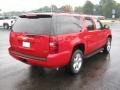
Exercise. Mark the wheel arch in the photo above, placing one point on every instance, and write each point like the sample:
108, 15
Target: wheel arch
110, 36
5, 24
80, 46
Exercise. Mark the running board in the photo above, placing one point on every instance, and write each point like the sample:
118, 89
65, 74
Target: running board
95, 52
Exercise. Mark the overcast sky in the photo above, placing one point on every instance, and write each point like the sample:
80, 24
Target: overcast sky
26, 5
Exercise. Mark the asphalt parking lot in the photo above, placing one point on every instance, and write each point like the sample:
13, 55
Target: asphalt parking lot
100, 72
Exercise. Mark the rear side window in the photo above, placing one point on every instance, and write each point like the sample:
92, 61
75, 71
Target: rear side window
34, 24
89, 24
68, 24
2, 18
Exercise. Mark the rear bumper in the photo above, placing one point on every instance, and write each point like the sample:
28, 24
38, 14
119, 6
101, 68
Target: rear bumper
51, 61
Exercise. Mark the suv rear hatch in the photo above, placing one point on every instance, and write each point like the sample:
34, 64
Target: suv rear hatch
30, 35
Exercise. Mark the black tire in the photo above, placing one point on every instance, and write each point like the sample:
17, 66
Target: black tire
6, 26
75, 66
107, 46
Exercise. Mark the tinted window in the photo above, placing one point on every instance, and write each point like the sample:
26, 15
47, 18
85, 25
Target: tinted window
89, 24
2, 18
98, 25
68, 24
34, 25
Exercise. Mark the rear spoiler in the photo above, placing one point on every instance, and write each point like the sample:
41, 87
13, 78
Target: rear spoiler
32, 16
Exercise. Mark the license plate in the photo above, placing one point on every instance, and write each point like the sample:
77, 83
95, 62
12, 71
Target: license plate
26, 44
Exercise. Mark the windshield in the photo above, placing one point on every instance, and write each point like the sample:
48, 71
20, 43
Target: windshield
33, 25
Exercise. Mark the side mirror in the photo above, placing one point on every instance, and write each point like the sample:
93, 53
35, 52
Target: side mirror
106, 26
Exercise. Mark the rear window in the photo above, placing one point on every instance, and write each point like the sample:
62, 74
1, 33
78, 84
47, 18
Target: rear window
40, 24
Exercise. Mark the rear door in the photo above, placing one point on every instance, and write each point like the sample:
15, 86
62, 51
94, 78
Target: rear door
68, 29
30, 35
100, 33
91, 35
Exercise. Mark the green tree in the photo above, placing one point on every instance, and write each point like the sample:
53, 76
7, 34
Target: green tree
107, 6
88, 8
46, 9
66, 8
43, 9
78, 9
98, 10
38, 10
54, 8
61, 9
116, 6
118, 10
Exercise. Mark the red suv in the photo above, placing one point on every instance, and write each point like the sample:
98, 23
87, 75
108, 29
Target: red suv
58, 39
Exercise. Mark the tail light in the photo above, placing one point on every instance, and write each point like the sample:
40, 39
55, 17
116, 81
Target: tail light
53, 45
11, 38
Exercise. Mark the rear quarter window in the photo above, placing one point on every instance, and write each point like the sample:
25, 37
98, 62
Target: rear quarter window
89, 24
68, 24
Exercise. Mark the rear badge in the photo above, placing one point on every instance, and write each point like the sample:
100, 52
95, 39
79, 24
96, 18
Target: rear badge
24, 38
26, 44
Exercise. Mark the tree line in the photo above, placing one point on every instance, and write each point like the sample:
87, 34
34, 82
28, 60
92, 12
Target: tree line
105, 7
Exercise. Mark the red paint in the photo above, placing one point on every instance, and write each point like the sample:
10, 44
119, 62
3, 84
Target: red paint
56, 49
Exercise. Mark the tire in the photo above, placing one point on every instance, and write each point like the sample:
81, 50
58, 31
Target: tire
107, 46
6, 26
76, 62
